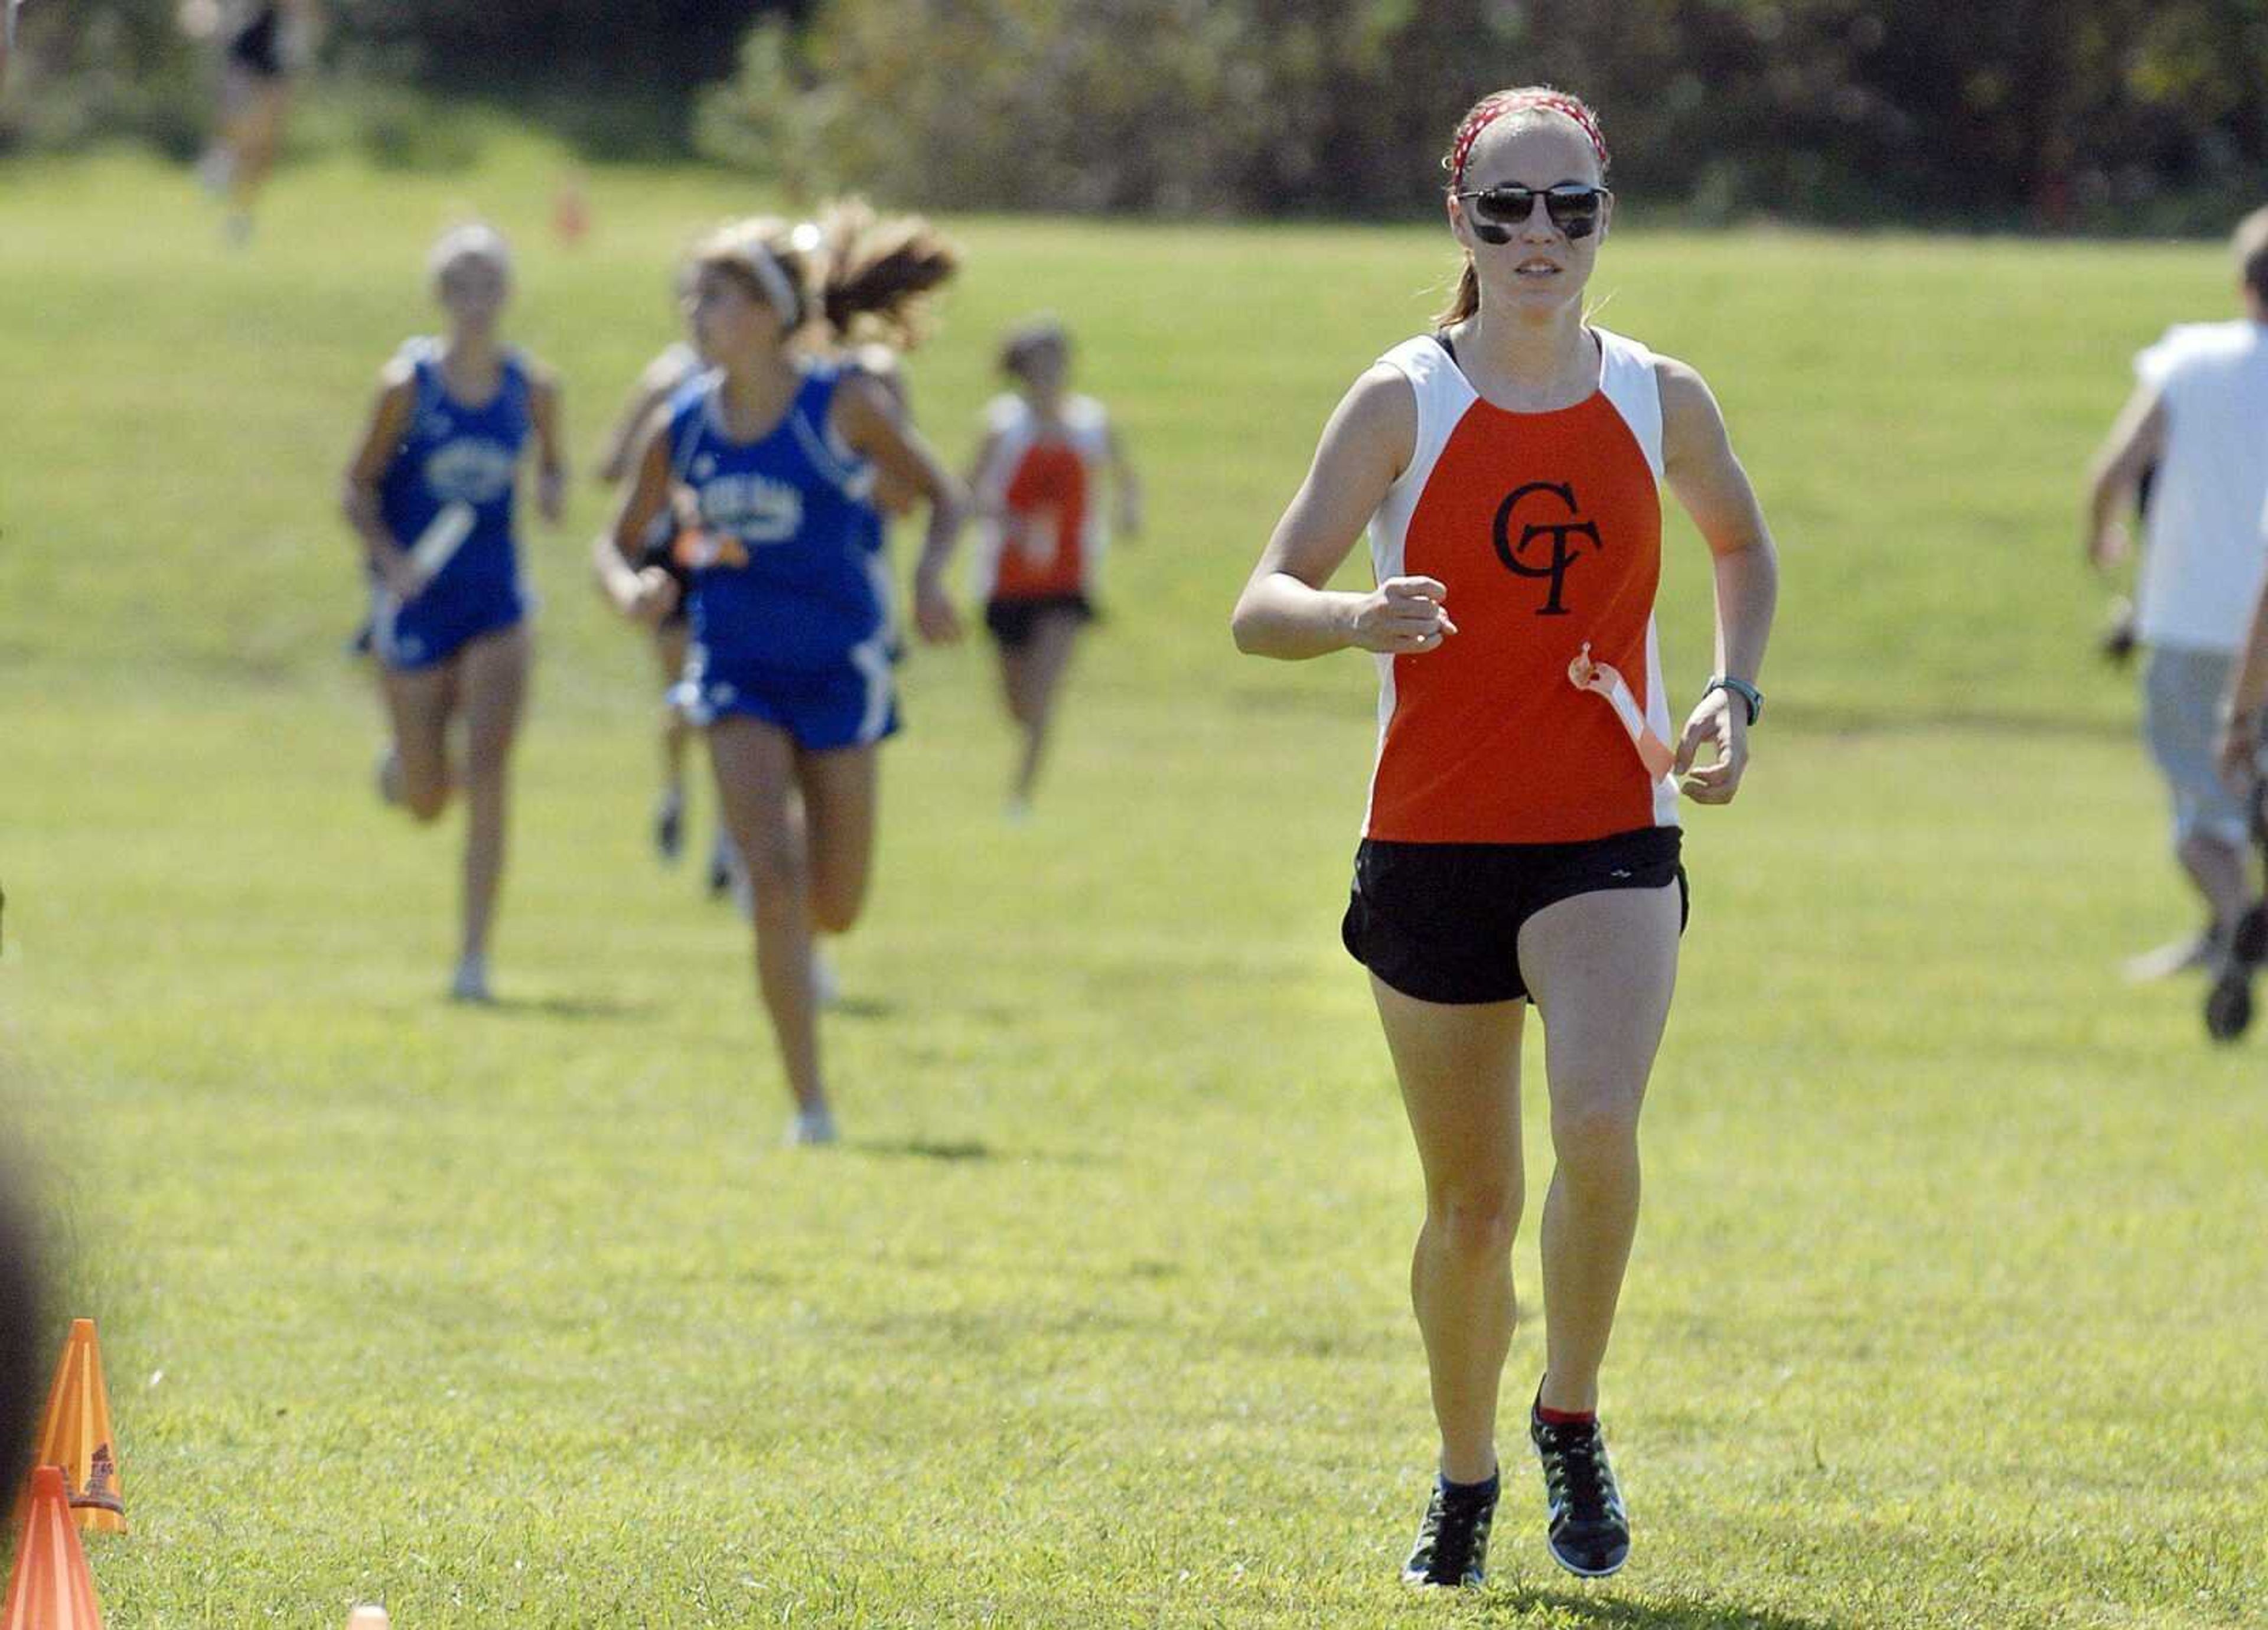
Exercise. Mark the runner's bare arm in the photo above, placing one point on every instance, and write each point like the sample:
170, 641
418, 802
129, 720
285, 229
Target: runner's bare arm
1285, 611
866, 416
1706, 475
1125, 486
2236, 739
645, 594
552, 449
655, 386
358, 495
2135, 441
980, 466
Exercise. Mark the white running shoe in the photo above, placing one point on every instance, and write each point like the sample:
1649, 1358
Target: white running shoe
811, 1128
388, 775
471, 984
826, 983
217, 170
2193, 955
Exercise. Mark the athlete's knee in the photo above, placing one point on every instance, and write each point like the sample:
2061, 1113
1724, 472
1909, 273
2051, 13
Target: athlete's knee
1593, 1126
425, 801
836, 909
487, 757
1476, 1220
776, 864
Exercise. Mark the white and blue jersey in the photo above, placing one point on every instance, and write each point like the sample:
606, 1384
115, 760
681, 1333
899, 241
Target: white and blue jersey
789, 595
871, 528
453, 456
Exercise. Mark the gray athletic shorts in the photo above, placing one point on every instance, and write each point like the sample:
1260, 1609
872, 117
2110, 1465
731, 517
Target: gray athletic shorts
2182, 692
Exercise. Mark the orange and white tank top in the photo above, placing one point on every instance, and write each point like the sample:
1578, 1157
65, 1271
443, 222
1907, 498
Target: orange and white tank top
1546, 528
1041, 491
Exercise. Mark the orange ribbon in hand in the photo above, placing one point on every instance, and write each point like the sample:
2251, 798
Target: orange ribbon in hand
1601, 679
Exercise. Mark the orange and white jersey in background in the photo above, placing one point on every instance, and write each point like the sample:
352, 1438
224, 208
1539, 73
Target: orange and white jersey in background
1041, 493
1546, 529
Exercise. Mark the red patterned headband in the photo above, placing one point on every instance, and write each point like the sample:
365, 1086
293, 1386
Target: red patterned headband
1496, 107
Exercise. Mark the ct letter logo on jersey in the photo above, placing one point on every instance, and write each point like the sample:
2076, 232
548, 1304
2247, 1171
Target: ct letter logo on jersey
1557, 522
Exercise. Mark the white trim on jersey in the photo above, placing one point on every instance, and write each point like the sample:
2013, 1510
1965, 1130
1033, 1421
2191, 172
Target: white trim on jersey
1444, 395
872, 659
1630, 380
1627, 378
383, 611
821, 449
1009, 421
1657, 715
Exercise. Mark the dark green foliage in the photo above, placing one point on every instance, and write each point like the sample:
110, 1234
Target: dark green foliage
2053, 113
618, 78
2104, 114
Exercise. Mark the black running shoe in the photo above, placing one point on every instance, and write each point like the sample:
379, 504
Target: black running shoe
2250, 943
2228, 1006
669, 827
1452, 1548
1589, 1533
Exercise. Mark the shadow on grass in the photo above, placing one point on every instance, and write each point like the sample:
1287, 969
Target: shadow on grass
860, 1007
926, 1149
1516, 1604
560, 1007
957, 1150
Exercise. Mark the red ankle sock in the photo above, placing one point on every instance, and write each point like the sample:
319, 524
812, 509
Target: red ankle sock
1564, 1417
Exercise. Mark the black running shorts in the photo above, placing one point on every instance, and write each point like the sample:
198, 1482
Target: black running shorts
1012, 621
257, 46
1441, 922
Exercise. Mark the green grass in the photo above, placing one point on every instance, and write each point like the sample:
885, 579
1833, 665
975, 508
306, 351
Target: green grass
1946, 1307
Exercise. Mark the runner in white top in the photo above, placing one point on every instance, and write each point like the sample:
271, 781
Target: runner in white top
1038, 480
2199, 412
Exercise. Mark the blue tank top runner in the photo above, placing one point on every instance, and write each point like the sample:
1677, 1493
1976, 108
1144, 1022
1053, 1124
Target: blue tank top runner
787, 574
452, 455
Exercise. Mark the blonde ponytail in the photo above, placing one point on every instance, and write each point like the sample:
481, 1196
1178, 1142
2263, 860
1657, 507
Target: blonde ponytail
1465, 302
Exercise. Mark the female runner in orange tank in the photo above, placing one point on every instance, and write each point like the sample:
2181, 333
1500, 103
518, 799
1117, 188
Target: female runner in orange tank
1521, 844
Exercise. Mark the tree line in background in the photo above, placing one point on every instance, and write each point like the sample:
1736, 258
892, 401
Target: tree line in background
619, 78
2140, 115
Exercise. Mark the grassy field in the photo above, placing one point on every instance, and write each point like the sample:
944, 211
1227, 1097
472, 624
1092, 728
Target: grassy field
1948, 1306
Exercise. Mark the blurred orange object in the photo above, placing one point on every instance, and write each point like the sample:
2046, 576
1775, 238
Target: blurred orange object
571, 213
52, 1588
74, 1435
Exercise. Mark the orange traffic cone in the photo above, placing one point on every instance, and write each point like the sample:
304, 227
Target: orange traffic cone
74, 1435
571, 213
52, 1588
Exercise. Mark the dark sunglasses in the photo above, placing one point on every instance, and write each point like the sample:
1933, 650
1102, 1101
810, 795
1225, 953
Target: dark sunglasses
1496, 210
